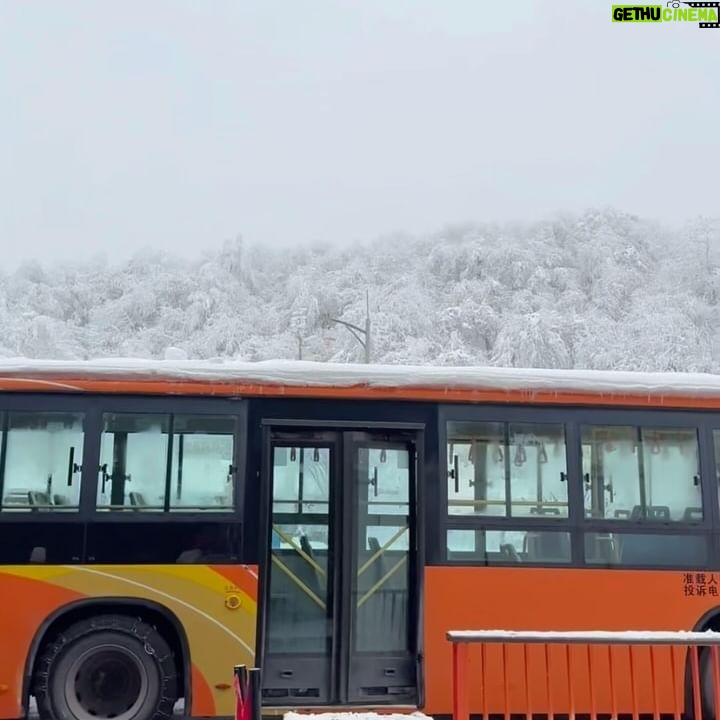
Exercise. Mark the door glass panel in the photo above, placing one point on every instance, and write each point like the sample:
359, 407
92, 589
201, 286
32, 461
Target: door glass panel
43, 454
300, 572
380, 597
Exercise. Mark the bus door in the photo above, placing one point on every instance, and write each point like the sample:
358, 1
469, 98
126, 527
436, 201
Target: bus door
341, 579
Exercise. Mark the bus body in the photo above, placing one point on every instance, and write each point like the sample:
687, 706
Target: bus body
162, 522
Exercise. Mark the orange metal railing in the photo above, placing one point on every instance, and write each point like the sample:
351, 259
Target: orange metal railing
588, 644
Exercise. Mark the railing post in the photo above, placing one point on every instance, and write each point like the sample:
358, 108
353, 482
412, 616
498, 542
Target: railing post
240, 682
255, 702
695, 673
460, 694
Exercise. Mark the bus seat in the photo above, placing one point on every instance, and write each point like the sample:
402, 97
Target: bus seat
547, 546
692, 513
137, 499
659, 513
38, 554
16, 498
602, 548
508, 552
540, 510
189, 556
38, 500
373, 544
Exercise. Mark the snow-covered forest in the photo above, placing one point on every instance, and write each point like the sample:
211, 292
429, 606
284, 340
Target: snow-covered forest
601, 290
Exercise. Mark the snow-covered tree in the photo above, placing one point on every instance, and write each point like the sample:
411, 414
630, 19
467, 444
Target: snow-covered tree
600, 289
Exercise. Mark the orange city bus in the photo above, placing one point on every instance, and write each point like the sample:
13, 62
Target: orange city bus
161, 522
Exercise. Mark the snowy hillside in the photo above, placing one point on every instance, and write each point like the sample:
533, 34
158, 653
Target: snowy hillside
602, 290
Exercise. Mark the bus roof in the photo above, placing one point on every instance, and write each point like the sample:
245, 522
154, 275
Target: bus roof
288, 378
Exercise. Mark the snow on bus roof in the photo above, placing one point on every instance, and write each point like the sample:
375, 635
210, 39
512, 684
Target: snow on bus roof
326, 374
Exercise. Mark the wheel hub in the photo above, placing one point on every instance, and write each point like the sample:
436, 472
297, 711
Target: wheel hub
107, 681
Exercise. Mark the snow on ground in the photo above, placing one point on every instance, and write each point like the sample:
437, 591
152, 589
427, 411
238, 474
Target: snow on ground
355, 716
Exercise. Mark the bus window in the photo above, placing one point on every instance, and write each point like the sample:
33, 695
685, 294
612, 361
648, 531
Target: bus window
507, 469
134, 470
133, 462
646, 550
641, 474
42, 461
491, 547
191, 542
203, 463
716, 443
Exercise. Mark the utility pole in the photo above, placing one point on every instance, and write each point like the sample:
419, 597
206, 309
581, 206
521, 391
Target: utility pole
362, 335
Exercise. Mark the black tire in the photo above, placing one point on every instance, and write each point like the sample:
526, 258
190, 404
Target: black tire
707, 687
109, 666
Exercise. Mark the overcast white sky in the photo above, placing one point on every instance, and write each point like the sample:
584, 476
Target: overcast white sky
176, 124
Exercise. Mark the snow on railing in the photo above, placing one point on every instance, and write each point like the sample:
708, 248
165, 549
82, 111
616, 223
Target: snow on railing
652, 639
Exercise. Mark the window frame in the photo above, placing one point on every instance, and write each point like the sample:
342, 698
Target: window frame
144, 405
93, 407
713, 426
621, 524
660, 419
170, 416
579, 526
505, 521
43, 405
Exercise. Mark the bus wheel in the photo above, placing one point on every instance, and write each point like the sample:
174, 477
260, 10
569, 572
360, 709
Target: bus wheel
707, 684
110, 666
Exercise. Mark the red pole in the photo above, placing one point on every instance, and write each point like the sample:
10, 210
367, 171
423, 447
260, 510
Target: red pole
591, 679
633, 689
526, 663
613, 695
483, 675
653, 682
571, 682
248, 703
461, 709
697, 704
677, 700
239, 699
506, 690
716, 676
550, 710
